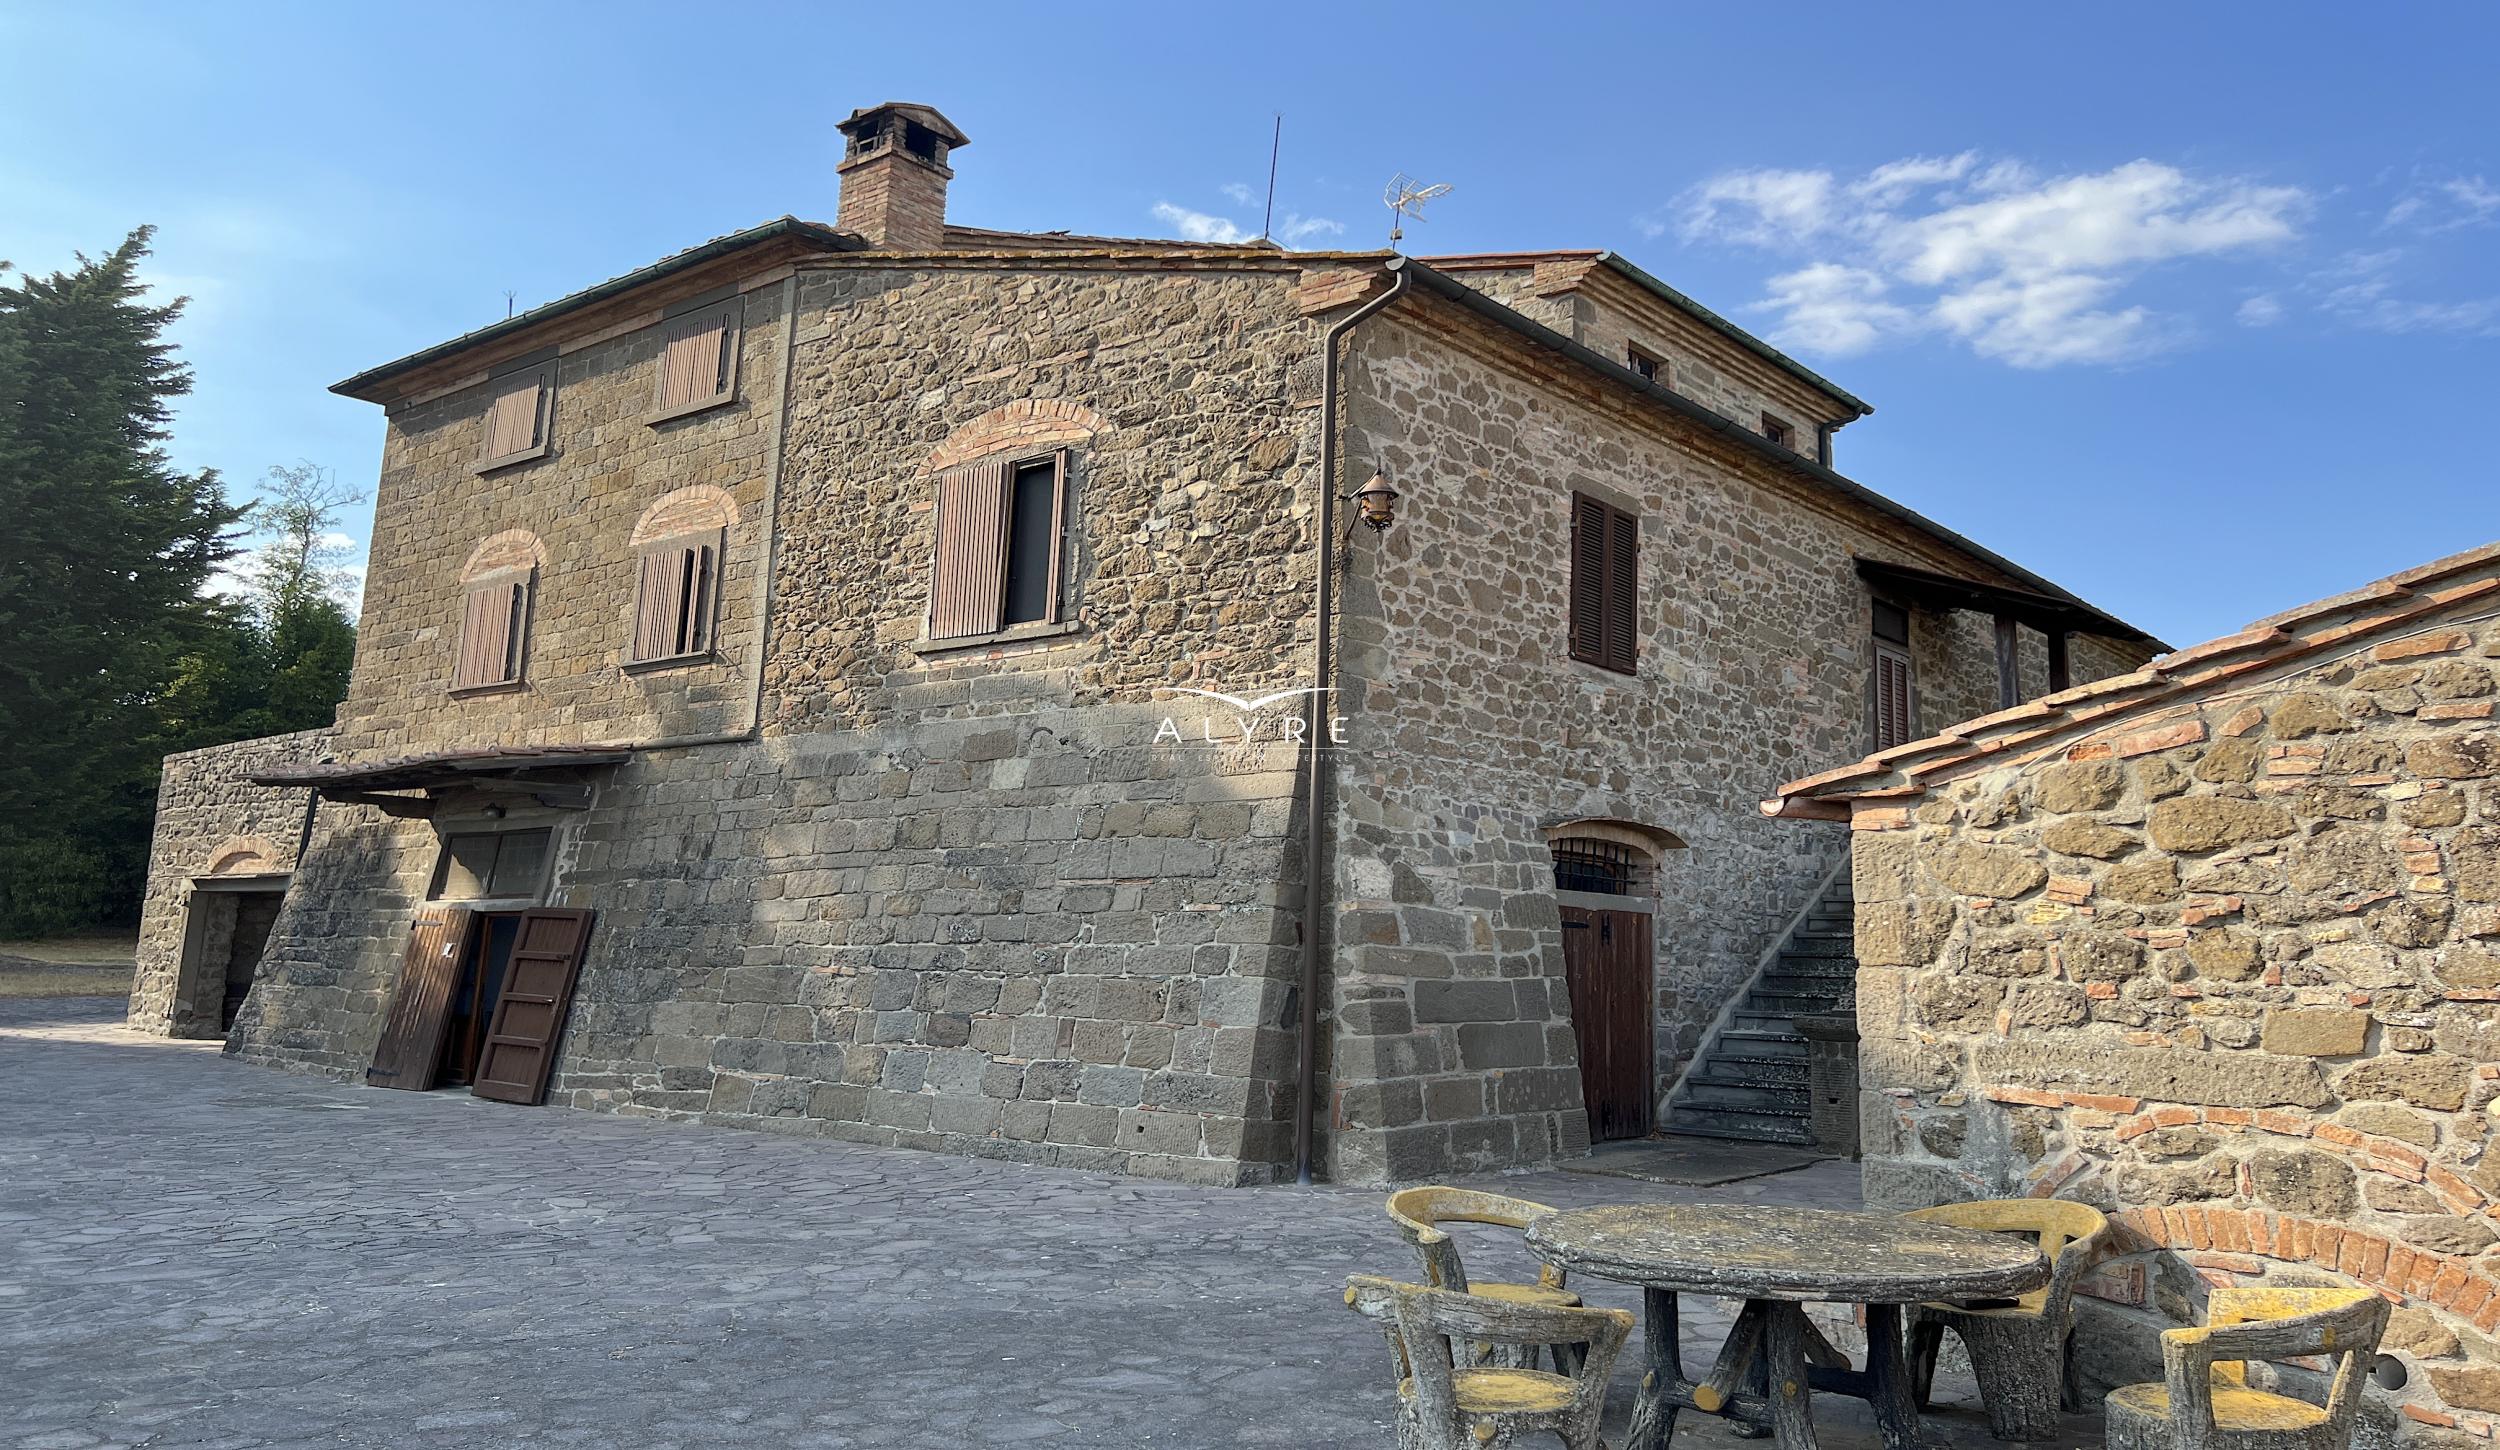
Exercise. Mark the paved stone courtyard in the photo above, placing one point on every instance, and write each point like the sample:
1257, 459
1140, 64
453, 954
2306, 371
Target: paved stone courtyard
198, 1253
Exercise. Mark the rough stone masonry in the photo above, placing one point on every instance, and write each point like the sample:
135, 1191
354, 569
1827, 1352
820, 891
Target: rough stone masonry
2216, 947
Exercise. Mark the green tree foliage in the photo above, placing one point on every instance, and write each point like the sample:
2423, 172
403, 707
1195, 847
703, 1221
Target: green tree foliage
104, 551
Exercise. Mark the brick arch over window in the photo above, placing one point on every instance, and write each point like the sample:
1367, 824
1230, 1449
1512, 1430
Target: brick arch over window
1605, 854
1654, 840
511, 549
1027, 426
701, 509
243, 856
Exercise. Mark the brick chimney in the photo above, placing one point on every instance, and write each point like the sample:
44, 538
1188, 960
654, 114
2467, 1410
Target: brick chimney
894, 176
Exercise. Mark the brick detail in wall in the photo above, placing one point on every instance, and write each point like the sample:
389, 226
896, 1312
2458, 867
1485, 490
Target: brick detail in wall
698, 510
1026, 425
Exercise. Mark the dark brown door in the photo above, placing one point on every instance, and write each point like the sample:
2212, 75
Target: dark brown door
529, 1013
1606, 964
473, 1001
412, 1036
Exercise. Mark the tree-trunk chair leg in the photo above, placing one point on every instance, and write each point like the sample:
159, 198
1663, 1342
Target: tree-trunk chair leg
2019, 1365
1926, 1343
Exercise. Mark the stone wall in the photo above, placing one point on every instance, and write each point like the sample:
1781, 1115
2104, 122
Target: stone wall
2230, 969
955, 896
604, 468
210, 820
1472, 731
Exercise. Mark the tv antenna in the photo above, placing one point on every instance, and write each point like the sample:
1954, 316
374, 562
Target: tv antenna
1405, 198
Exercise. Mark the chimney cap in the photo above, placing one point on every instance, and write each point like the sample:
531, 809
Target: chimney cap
913, 111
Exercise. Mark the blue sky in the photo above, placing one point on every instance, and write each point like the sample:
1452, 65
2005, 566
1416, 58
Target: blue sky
2191, 308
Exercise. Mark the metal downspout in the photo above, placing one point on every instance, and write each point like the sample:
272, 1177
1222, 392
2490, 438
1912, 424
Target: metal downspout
1315, 719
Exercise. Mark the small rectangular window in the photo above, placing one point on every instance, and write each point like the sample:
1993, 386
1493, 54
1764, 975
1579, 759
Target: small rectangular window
497, 865
675, 597
1778, 432
698, 360
1001, 559
1605, 585
1892, 622
1645, 364
520, 412
494, 627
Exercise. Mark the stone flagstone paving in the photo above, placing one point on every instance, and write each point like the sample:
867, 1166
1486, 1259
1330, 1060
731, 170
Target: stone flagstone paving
198, 1253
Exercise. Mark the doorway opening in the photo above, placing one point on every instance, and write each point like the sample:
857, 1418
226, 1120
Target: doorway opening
1602, 888
226, 931
473, 998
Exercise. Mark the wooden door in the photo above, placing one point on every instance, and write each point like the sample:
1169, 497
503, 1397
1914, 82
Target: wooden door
528, 1023
412, 1036
1606, 965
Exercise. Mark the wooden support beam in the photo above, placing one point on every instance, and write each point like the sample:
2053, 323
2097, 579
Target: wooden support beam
2009, 672
406, 807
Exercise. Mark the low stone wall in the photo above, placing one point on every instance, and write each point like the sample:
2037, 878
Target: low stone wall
2231, 970
210, 819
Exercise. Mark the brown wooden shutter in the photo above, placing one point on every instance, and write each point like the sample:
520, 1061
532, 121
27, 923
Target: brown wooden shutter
1605, 584
696, 358
1058, 534
494, 618
694, 628
1588, 579
528, 1024
515, 420
1623, 591
1895, 709
412, 1035
656, 605
968, 584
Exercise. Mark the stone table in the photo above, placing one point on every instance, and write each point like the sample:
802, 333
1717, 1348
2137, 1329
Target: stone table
1779, 1259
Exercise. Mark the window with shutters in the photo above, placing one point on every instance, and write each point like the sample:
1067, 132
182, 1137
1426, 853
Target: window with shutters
491, 865
676, 595
1605, 585
494, 633
1895, 691
698, 359
520, 411
1001, 559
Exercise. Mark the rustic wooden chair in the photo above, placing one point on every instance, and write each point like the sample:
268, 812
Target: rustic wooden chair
1447, 1402
1419, 1214
2019, 1347
2204, 1401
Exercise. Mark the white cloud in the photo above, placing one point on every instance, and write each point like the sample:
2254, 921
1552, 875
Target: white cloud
1838, 310
1303, 228
1760, 208
1240, 193
2263, 310
2360, 289
2026, 269
2446, 205
1198, 226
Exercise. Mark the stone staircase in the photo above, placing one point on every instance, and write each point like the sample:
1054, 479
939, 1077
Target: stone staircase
1749, 1081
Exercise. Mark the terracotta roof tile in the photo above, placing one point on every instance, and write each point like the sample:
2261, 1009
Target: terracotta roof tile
2167, 687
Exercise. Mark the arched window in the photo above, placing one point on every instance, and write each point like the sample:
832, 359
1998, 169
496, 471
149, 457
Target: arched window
677, 546
496, 588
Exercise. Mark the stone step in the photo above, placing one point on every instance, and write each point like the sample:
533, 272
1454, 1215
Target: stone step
1747, 1042
1759, 1124
1755, 1065
1806, 984
1819, 946
1790, 1004
1756, 1074
1747, 1019
1766, 1096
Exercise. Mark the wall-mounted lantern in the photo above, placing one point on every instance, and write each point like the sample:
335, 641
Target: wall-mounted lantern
1376, 503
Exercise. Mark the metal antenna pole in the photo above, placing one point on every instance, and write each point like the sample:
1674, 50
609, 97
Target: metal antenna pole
1275, 144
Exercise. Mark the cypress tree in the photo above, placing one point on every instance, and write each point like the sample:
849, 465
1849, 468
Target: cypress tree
104, 551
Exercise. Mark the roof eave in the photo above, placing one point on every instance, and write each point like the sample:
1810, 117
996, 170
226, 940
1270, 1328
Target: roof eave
365, 386
1633, 273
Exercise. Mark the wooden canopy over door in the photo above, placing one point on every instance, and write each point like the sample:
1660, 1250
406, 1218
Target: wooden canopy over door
1606, 965
528, 1023
412, 1036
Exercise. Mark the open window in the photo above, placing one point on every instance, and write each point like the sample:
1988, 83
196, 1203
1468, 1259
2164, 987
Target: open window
676, 595
1001, 558
494, 632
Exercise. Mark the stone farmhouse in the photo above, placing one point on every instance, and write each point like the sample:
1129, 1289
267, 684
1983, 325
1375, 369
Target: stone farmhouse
1204, 711
2215, 946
